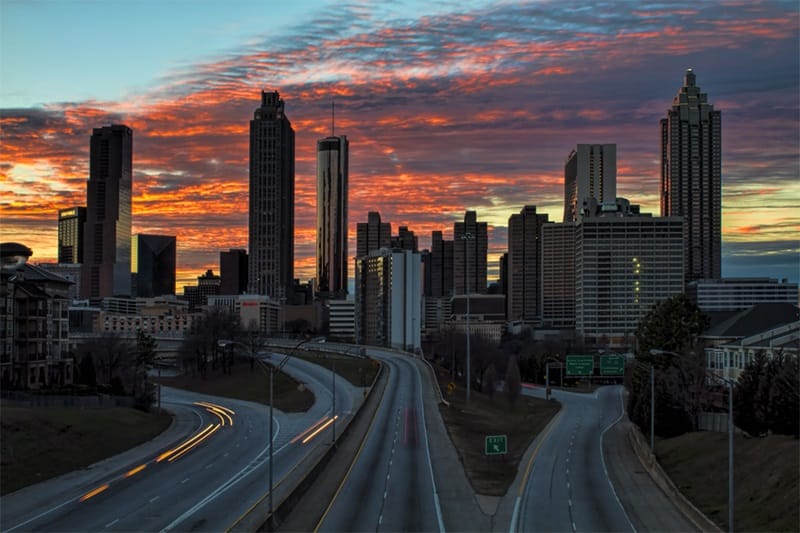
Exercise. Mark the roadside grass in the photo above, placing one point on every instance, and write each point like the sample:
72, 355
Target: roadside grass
766, 478
469, 424
359, 371
41, 443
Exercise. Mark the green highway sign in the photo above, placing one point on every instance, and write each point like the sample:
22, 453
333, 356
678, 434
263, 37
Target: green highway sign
612, 365
496, 445
580, 365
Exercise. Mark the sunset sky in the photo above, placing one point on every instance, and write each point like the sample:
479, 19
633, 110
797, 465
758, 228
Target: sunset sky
448, 106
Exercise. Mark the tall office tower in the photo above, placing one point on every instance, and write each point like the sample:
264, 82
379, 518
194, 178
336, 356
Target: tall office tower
332, 170
271, 253
625, 263
153, 267
503, 279
405, 240
70, 234
558, 275
388, 299
441, 261
372, 235
590, 172
233, 271
107, 231
524, 257
691, 176
470, 245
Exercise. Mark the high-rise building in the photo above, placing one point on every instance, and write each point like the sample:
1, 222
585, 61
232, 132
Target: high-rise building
70, 234
590, 172
470, 246
271, 216
405, 240
153, 267
372, 235
691, 176
388, 302
625, 263
197, 295
558, 275
233, 271
332, 172
441, 267
524, 264
107, 231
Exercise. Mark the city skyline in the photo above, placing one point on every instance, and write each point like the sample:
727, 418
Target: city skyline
446, 111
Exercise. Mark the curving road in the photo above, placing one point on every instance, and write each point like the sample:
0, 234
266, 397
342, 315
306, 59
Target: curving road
204, 482
390, 486
568, 488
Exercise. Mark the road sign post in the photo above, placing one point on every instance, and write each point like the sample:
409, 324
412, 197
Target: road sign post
496, 445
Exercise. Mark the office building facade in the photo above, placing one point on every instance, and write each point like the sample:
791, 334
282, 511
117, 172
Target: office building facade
523, 266
107, 231
691, 176
372, 235
71, 222
440, 263
233, 271
332, 176
154, 262
738, 294
271, 215
589, 172
470, 246
558, 275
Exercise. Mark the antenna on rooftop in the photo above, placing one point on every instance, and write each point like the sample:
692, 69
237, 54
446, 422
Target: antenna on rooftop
333, 129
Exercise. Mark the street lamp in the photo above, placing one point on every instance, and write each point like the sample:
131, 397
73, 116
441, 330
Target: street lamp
547, 374
466, 238
222, 343
729, 382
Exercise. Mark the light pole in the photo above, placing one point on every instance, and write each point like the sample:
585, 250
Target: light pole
547, 374
223, 343
467, 237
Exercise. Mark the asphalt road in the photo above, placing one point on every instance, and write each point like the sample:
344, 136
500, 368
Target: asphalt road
568, 488
390, 486
205, 481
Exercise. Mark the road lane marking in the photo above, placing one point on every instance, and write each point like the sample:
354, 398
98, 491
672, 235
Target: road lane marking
603, 459
154, 499
112, 523
184, 481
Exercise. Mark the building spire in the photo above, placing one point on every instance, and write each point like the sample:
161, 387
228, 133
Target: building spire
333, 128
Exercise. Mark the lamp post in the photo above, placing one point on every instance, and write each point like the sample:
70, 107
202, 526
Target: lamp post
547, 374
467, 237
729, 382
223, 343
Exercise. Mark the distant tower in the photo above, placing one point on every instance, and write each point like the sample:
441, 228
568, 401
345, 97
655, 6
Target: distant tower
271, 216
470, 244
524, 265
70, 235
372, 235
691, 176
332, 176
154, 264
233, 271
589, 172
107, 232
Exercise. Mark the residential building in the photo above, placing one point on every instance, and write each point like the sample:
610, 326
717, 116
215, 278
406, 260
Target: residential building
233, 271
691, 176
153, 268
332, 176
589, 172
388, 303
70, 234
558, 275
107, 231
470, 246
372, 235
70, 272
271, 213
736, 294
524, 266
625, 263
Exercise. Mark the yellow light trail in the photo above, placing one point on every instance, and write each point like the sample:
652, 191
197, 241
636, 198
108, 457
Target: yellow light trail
186, 450
183, 445
94, 492
309, 429
136, 470
222, 412
320, 429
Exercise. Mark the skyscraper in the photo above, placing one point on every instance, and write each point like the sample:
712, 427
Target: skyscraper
405, 240
470, 245
107, 231
153, 265
691, 176
589, 172
372, 235
70, 234
233, 271
441, 267
271, 216
332, 175
524, 265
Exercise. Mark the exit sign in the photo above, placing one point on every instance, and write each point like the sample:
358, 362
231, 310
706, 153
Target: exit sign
496, 445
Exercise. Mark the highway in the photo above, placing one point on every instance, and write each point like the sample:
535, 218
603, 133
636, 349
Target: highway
567, 487
206, 481
390, 486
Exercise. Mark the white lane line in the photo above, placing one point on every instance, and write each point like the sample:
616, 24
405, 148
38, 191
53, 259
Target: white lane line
387, 477
603, 460
184, 481
112, 523
209, 466
384, 495
154, 499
